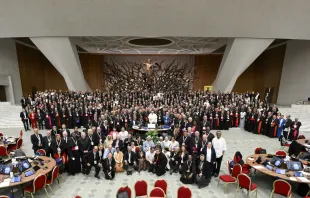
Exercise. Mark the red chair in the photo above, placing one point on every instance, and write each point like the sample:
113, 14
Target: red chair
140, 188
184, 192
4, 196
4, 151
41, 151
16, 146
37, 184
55, 172
301, 137
244, 182
1, 134
157, 192
281, 153
161, 184
281, 187
128, 190
246, 169
230, 179
257, 150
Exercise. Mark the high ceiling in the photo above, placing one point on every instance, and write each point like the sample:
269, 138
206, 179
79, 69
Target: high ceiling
150, 45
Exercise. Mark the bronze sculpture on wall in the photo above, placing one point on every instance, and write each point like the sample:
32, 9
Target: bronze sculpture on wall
156, 77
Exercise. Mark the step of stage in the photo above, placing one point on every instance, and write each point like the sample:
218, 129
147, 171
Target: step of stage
9, 115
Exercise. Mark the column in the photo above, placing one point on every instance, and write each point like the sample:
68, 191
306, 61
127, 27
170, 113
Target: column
238, 56
9, 71
63, 55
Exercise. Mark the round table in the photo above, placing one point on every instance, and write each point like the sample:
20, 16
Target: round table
250, 160
303, 142
147, 129
50, 163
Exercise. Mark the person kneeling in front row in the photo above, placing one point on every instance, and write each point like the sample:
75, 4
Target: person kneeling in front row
109, 167
91, 159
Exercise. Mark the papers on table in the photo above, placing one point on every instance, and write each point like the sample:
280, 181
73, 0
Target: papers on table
5, 182
303, 179
250, 159
293, 178
258, 167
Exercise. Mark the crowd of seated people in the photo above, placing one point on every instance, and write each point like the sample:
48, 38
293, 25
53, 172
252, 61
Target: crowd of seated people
118, 112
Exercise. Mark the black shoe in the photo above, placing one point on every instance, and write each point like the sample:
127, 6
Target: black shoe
97, 176
216, 175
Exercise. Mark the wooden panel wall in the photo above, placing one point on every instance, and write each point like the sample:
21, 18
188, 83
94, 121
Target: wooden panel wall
264, 72
206, 68
37, 71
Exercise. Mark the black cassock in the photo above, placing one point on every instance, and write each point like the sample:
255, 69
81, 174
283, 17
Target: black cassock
74, 161
188, 172
160, 164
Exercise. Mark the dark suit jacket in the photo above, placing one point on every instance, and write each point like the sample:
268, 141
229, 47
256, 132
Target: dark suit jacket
162, 160
35, 141
104, 131
46, 147
106, 165
40, 117
84, 144
120, 144
90, 158
96, 138
204, 169
133, 157
213, 155
22, 116
55, 146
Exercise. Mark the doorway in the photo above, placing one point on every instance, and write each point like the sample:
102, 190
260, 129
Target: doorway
2, 94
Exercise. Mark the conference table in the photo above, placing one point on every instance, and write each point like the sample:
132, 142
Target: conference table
49, 164
304, 142
250, 160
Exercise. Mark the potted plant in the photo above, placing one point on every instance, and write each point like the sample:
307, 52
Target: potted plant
153, 135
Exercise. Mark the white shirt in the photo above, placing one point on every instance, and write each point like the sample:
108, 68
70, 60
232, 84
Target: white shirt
123, 135
219, 146
153, 118
173, 145
150, 155
208, 157
167, 144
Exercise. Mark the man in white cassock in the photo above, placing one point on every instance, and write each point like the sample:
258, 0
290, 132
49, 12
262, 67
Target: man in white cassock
153, 118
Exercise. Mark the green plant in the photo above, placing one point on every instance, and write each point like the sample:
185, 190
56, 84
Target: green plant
153, 135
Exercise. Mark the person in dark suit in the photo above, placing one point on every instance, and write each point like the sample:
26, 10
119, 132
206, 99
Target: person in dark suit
174, 160
96, 136
210, 158
104, 129
160, 162
91, 159
203, 174
47, 144
23, 101
118, 143
130, 159
36, 140
109, 167
40, 119
186, 140
66, 142
64, 129
188, 171
24, 117
57, 146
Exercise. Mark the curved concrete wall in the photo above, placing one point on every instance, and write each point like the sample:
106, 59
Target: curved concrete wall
206, 18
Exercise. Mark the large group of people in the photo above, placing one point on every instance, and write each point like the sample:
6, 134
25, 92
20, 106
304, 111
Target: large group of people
107, 120
197, 110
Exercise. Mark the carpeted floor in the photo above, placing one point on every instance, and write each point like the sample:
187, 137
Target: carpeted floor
88, 186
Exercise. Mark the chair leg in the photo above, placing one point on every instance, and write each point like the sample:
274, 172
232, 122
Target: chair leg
237, 191
57, 180
256, 192
46, 192
32, 195
218, 183
225, 188
50, 188
271, 195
